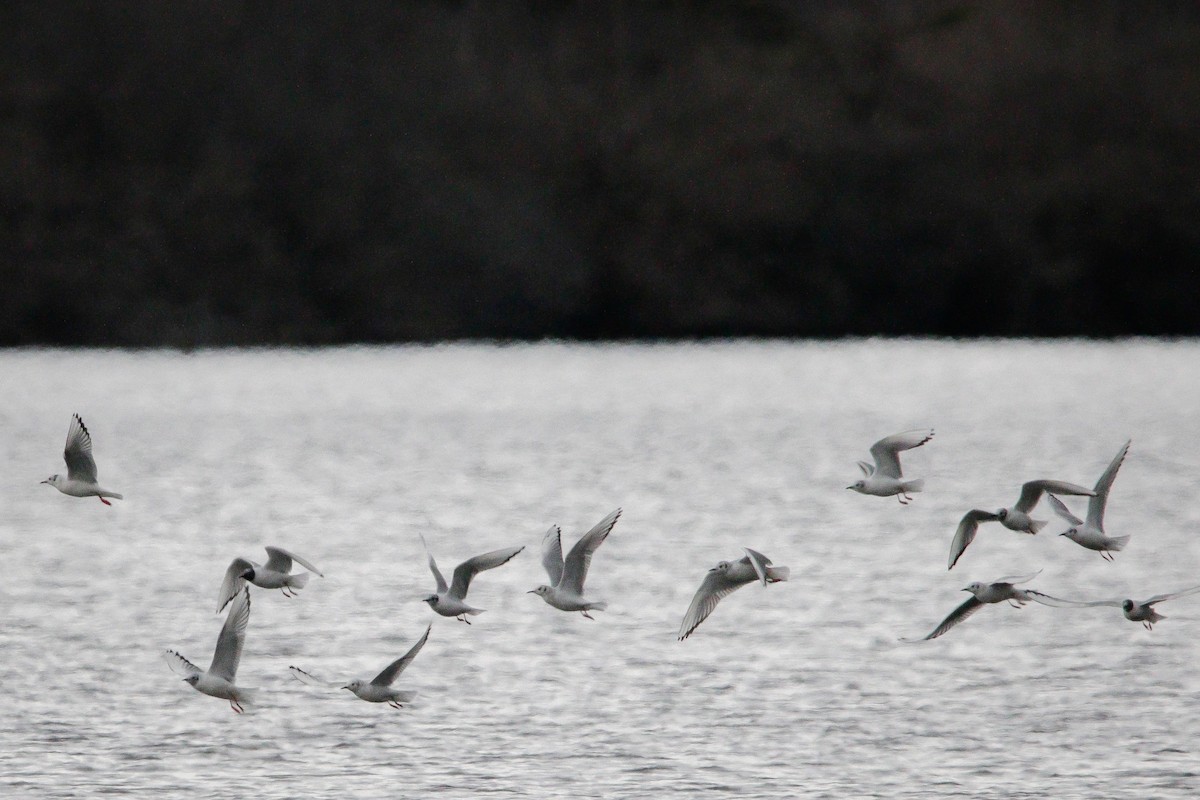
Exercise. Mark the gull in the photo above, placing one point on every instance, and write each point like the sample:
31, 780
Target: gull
1091, 534
1015, 519
725, 578
1135, 611
448, 601
275, 574
884, 478
565, 591
981, 593
378, 689
81, 467
218, 680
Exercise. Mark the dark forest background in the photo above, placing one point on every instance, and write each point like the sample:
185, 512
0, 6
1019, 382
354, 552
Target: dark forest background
253, 172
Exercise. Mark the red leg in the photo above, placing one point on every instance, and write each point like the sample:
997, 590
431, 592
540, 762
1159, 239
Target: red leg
102, 500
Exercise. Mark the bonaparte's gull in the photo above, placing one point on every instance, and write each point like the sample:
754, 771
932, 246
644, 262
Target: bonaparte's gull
218, 680
81, 467
449, 599
723, 579
1135, 610
982, 593
378, 689
565, 591
275, 574
1091, 533
883, 479
1015, 519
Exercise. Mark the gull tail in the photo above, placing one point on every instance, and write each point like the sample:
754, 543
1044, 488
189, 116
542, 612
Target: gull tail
404, 695
915, 485
113, 495
778, 574
599, 605
1036, 525
1118, 542
246, 696
299, 580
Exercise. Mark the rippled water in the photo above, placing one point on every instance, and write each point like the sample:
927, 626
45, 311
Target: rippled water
800, 689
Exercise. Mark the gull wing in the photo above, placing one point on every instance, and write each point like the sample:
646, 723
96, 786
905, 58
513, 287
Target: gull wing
1158, 598
1018, 579
965, 534
1031, 492
552, 558
393, 670
956, 616
1061, 509
575, 566
310, 679
467, 570
759, 562
1095, 513
180, 665
437, 573
280, 560
78, 452
886, 451
866, 468
1058, 602
715, 586
232, 637
233, 582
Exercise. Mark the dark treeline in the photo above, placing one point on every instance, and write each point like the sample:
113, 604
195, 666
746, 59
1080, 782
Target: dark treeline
239, 172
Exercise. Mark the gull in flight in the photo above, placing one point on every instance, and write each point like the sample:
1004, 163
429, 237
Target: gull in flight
218, 680
448, 601
1091, 534
565, 591
725, 578
883, 479
1134, 610
982, 593
275, 574
1015, 519
81, 467
378, 689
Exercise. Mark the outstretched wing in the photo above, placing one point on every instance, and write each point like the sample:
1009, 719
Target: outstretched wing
552, 558
1031, 492
886, 451
233, 582
180, 665
78, 452
1058, 602
1095, 514
393, 670
575, 565
716, 585
437, 573
965, 534
1158, 598
1061, 509
467, 570
956, 616
866, 468
759, 562
1018, 579
280, 560
310, 679
233, 636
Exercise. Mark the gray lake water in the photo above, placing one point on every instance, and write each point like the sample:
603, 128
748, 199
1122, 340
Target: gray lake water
799, 689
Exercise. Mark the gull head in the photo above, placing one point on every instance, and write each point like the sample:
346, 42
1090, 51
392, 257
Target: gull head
431, 599
1070, 533
248, 575
1127, 606
858, 486
54, 480
353, 686
722, 567
1002, 514
974, 587
542, 590
192, 679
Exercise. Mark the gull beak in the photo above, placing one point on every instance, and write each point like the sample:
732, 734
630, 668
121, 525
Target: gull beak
965, 589
849, 487
532, 591
345, 687
45, 481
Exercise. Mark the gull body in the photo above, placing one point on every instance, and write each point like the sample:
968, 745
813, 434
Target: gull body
567, 576
449, 600
218, 680
1090, 533
80, 480
1142, 611
378, 689
1016, 518
727, 577
884, 477
275, 574
983, 594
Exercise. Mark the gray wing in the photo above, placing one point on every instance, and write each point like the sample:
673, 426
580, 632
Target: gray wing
552, 558
233, 582
467, 570
965, 534
393, 670
1058, 602
1061, 509
1031, 492
233, 636
310, 679
180, 665
575, 565
280, 560
1095, 514
886, 451
437, 573
759, 562
866, 468
1018, 579
1158, 598
715, 586
956, 616
78, 452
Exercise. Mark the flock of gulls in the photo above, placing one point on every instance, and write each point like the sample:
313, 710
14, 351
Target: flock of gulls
565, 590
